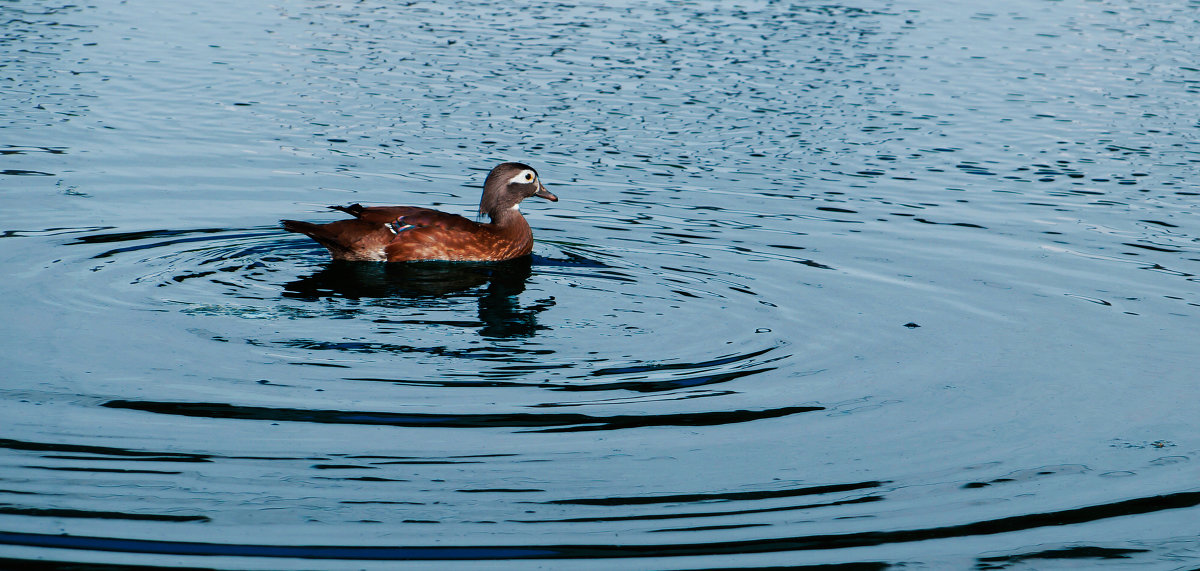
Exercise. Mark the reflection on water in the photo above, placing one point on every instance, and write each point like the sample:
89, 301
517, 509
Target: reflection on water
862, 286
498, 287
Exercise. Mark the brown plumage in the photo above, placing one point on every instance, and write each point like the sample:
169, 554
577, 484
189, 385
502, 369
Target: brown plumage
411, 233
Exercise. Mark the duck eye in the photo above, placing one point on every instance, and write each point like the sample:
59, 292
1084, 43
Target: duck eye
528, 176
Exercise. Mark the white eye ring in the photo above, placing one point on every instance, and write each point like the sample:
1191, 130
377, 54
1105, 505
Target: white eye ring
524, 177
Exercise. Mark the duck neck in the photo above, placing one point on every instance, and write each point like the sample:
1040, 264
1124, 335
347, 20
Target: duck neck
508, 217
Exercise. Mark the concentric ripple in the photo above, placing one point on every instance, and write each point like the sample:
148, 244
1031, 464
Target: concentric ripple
439, 327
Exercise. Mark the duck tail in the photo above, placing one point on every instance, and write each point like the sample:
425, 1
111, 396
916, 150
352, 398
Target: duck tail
354, 210
300, 227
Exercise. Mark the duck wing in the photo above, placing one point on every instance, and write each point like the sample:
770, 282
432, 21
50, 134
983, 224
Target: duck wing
410, 233
390, 233
403, 218
414, 233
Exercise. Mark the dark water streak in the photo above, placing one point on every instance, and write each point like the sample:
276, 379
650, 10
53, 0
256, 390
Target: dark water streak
546, 422
837, 541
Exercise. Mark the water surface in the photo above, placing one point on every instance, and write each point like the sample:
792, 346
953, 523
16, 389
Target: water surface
873, 284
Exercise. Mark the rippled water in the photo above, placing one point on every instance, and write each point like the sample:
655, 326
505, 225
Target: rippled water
877, 284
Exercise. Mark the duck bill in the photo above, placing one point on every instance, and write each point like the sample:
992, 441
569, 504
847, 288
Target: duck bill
543, 193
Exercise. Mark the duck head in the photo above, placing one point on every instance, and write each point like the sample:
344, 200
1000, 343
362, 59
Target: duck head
507, 185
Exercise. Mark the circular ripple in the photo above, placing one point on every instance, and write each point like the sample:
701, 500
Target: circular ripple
522, 335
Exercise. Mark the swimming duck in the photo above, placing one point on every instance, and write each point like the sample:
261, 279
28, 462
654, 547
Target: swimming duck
411, 233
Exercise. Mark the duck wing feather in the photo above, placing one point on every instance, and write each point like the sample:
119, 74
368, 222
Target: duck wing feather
408, 217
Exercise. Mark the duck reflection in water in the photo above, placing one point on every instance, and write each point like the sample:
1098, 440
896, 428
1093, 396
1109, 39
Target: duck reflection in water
497, 286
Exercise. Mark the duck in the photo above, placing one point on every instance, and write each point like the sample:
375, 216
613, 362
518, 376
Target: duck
413, 233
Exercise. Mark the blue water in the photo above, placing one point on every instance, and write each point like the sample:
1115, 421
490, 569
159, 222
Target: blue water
878, 284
